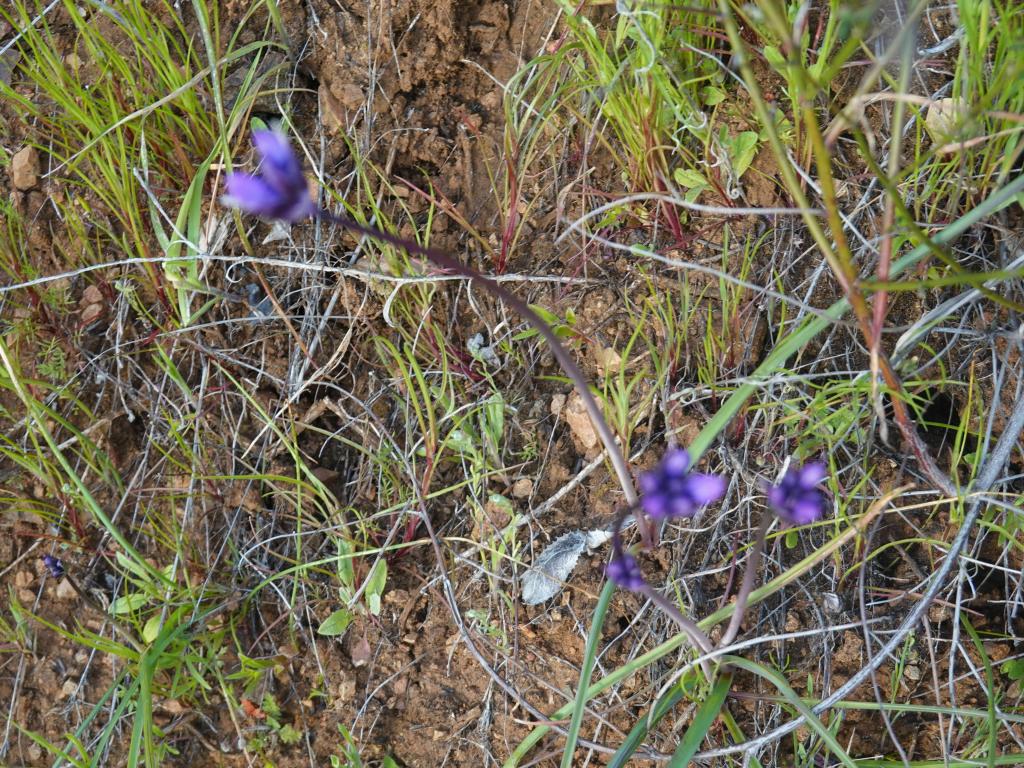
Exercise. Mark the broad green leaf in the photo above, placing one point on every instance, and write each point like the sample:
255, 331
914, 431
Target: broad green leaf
460, 442
744, 147
346, 569
128, 603
375, 585
711, 95
335, 624
151, 629
689, 178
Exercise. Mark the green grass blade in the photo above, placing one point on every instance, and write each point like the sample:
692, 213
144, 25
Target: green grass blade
702, 722
586, 669
794, 700
643, 726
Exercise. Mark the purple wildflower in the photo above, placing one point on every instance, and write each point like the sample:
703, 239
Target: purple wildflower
54, 566
670, 491
797, 499
279, 190
623, 569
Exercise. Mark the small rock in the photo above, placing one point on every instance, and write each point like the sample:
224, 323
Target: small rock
26, 596
831, 603
68, 689
607, 359
557, 404
65, 591
25, 168
578, 419
349, 94
34, 753
399, 686
523, 488
345, 691
91, 295
92, 313
24, 579
173, 706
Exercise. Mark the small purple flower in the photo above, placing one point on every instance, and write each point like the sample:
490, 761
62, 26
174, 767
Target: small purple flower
624, 570
54, 566
279, 190
670, 491
797, 499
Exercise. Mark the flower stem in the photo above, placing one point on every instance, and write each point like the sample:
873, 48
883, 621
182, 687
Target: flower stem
747, 586
442, 259
697, 635
688, 625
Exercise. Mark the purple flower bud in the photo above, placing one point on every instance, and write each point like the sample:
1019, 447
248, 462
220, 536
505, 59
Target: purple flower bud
54, 566
670, 491
279, 190
624, 570
797, 499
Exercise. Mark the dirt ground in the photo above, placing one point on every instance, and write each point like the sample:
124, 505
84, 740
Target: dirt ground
408, 678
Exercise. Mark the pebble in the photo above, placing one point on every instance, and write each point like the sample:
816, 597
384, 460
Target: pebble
523, 488
579, 422
65, 591
25, 168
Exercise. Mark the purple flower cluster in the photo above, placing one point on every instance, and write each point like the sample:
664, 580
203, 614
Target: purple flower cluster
797, 498
54, 566
279, 190
670, 490
623, 569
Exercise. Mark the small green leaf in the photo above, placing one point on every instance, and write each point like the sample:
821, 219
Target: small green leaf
289, 735
546, 315
689, 178
460, 442
711, 95
744, 148
128, 603
375, 586
1015, 669
269, 706
346, 570
792, 539
336, 623
692, 194
151, 629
